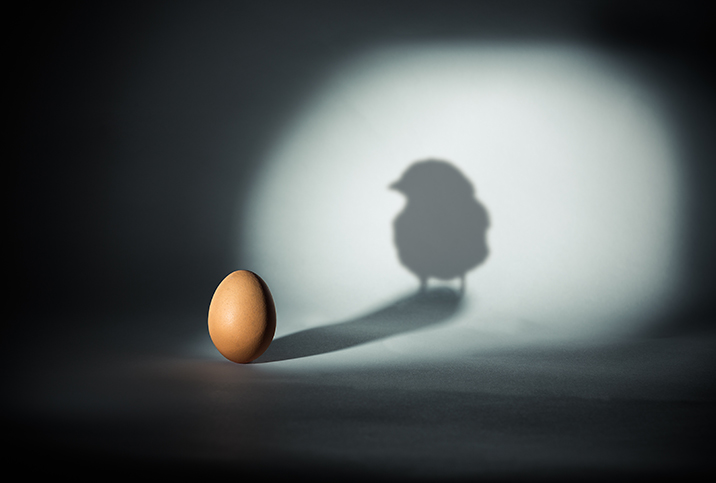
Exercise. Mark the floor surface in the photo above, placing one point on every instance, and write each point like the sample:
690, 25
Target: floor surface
141, 396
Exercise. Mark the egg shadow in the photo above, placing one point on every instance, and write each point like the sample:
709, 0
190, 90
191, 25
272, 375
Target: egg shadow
411, 313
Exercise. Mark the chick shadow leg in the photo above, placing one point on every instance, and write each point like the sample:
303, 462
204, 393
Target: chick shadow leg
423, 285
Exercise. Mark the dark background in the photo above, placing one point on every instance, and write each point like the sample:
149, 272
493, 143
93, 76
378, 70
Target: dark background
137, 126
140, 124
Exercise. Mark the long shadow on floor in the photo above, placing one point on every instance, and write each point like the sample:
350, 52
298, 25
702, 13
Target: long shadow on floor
410, 313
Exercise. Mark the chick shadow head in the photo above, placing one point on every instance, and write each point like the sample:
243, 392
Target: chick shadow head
432, 181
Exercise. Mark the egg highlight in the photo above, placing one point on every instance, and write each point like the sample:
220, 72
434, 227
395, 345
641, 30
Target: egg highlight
242, 317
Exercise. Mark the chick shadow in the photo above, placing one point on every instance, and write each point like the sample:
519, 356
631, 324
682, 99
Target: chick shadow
442, 231
411, 313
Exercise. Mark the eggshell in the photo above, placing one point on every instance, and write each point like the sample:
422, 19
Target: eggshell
242, 317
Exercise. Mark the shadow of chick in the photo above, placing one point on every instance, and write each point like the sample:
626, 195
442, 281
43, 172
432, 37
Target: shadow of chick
442, 232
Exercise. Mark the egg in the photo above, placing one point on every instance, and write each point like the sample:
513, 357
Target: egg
242, 317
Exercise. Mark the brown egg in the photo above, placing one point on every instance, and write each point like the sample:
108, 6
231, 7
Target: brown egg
242, 317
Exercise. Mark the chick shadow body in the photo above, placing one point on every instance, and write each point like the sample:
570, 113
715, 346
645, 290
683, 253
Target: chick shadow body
414, 312
442, 231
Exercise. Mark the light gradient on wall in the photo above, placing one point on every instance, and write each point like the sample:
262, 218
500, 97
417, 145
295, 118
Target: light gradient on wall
567, 149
